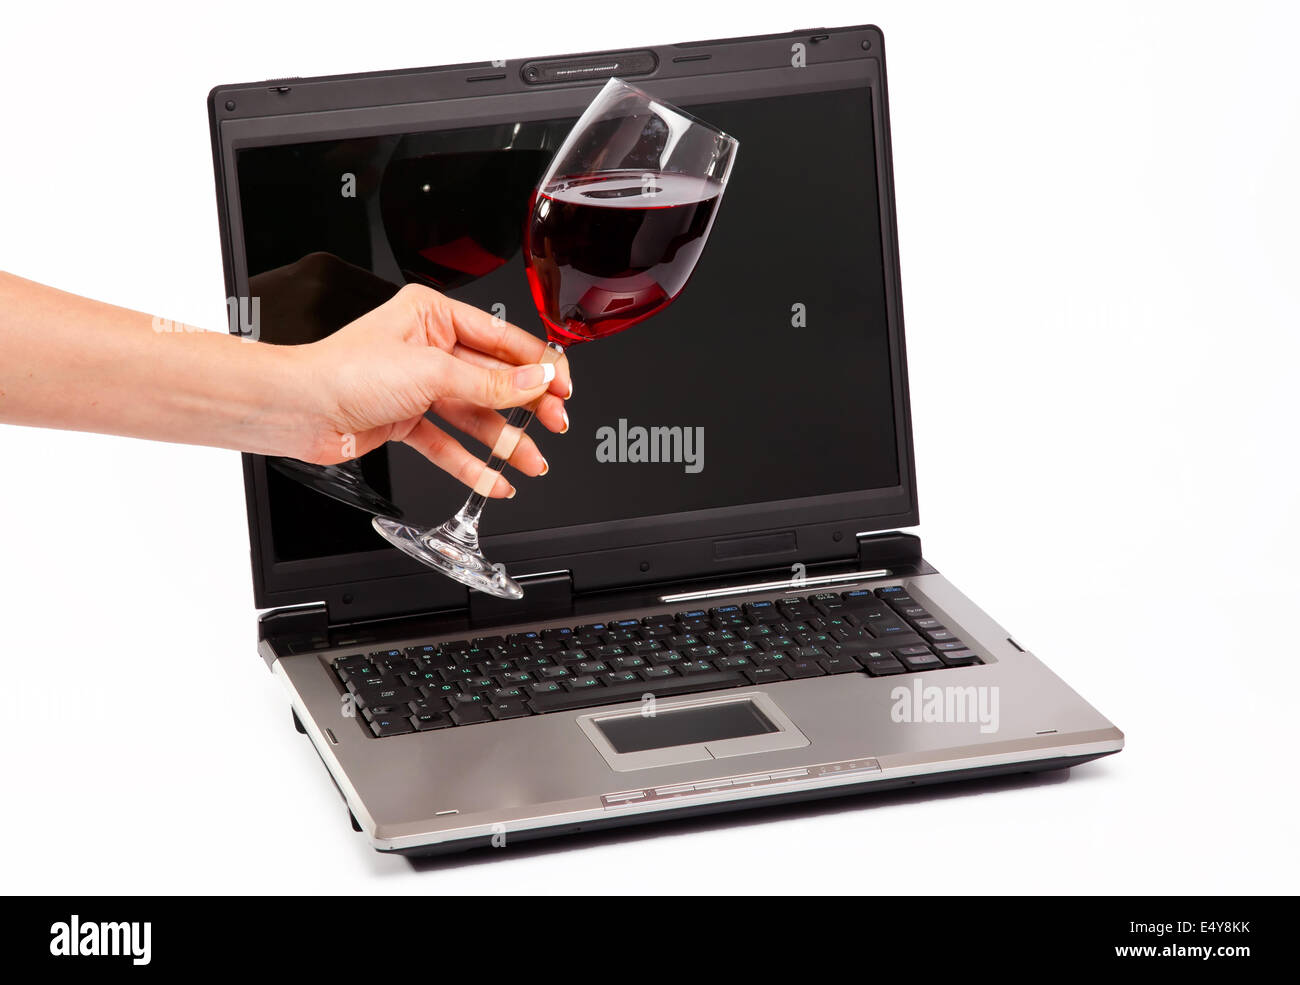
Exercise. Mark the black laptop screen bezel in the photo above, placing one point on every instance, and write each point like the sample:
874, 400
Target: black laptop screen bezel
598, 555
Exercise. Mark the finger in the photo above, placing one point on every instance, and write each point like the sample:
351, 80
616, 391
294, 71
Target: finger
486, 425
510, 386
449, 455
551, 412
509, 343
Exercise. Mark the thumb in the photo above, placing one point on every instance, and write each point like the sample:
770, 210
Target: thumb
508, 386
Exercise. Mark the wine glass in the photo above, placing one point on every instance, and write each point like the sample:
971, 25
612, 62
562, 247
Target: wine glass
618, 222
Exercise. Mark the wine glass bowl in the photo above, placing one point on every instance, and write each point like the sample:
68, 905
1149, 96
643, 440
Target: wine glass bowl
616, 227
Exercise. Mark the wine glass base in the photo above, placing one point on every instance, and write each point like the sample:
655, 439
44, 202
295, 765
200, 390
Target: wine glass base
452, 559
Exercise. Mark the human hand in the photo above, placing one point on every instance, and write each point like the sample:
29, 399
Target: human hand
373, 381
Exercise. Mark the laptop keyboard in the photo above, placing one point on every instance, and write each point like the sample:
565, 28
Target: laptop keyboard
495, 678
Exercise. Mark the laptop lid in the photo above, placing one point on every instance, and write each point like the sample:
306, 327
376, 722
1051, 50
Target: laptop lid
759, 421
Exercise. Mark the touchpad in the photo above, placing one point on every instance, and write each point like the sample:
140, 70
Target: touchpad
684, 726
690, 730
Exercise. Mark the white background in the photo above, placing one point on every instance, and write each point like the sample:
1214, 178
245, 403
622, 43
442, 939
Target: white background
1098, 215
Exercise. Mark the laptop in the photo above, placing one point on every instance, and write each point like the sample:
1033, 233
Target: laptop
720, 611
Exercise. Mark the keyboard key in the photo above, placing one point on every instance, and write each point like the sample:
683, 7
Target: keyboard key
471, 714
840, 665
795, 609
388, 693
886, 627
911, 651
765, 675
503, 710
827, 602
430, 721
926, 661
391, 725
759, 612
654, 673
939, 635
427, 706
959, 658
883, 666
804, 668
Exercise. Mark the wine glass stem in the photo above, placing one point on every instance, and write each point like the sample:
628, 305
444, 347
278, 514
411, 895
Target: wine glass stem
463, 527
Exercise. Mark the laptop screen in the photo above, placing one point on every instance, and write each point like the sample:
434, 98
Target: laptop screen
768, 379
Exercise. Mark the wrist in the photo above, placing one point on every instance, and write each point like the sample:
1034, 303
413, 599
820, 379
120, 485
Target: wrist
295, 417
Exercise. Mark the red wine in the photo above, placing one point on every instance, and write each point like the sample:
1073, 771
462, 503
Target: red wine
607, 250
454, 217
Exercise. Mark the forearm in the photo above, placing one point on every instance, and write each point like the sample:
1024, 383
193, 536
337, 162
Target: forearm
70, 362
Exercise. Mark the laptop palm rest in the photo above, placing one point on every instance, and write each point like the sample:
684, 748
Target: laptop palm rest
664, 733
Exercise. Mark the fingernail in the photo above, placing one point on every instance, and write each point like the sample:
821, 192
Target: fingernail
511, 493
546, 467
531, 377
570, 393
565, 414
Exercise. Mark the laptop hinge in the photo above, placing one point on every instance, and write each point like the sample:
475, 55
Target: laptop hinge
548, 595
891, 550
